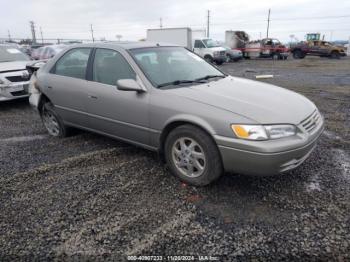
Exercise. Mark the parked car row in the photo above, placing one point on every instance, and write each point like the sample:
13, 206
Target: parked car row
166, 98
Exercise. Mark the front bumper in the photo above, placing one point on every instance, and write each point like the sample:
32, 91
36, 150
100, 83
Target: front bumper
221, 58
267, 161
14, 91
284, 54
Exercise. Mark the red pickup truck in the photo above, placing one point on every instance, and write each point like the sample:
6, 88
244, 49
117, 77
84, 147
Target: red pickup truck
317, 48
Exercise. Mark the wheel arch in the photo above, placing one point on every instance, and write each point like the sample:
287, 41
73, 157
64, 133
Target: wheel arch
183, 120
42, 101
208, 56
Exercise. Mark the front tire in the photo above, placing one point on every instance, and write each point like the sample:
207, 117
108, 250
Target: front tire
52, 121
192, 155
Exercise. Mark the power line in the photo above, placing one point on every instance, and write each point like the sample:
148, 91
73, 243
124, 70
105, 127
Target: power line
312, 18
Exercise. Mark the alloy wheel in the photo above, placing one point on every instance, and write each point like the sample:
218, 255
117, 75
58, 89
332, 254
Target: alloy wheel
50, 123
189, 157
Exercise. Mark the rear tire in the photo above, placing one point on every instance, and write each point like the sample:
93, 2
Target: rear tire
192, 155
335, 55
52, 121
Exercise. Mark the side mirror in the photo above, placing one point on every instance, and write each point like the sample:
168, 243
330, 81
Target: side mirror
129, 85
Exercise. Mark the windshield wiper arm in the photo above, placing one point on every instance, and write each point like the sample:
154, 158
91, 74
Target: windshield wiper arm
209, 76
176, 82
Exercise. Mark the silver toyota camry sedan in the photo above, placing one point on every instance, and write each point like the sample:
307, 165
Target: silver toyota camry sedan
167, 99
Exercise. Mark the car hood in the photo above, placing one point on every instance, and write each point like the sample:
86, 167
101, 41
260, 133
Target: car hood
12, 66
260, 102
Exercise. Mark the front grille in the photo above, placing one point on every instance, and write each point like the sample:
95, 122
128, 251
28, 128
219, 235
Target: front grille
18, 78
19, 93
222, 52
311, 122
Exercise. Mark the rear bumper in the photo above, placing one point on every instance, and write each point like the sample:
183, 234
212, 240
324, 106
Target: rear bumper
266, 163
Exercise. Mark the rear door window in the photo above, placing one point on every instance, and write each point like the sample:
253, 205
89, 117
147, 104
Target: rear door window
73, 63
110, 66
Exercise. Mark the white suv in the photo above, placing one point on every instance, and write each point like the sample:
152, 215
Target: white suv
14, 77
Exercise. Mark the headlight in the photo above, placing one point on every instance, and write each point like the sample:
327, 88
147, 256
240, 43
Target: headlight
250, 132
278, 131
216, 53
259, 132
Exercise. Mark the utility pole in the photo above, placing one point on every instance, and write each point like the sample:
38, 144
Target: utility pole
268, 24
32, 28
8, 31
41, 33
208, 21
92, 33
160, 23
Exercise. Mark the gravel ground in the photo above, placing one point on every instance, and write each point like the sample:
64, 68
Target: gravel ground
90, 197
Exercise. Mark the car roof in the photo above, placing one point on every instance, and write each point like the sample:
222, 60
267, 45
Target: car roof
125, 45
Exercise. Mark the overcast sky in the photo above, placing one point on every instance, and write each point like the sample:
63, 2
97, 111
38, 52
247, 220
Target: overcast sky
131, 18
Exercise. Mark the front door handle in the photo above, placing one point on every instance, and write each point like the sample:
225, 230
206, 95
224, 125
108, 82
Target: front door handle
49, 87
92, 96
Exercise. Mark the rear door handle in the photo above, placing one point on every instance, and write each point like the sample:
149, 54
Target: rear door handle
49, 87
92, 96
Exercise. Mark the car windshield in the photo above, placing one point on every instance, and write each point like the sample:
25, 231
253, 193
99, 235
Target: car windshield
210, 43
164, 65
11, 53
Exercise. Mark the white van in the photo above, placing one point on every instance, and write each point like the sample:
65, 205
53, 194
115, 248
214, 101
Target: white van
191, 39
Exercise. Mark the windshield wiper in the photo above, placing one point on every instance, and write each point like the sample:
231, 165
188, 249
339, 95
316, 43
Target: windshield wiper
177, 82
209, 76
